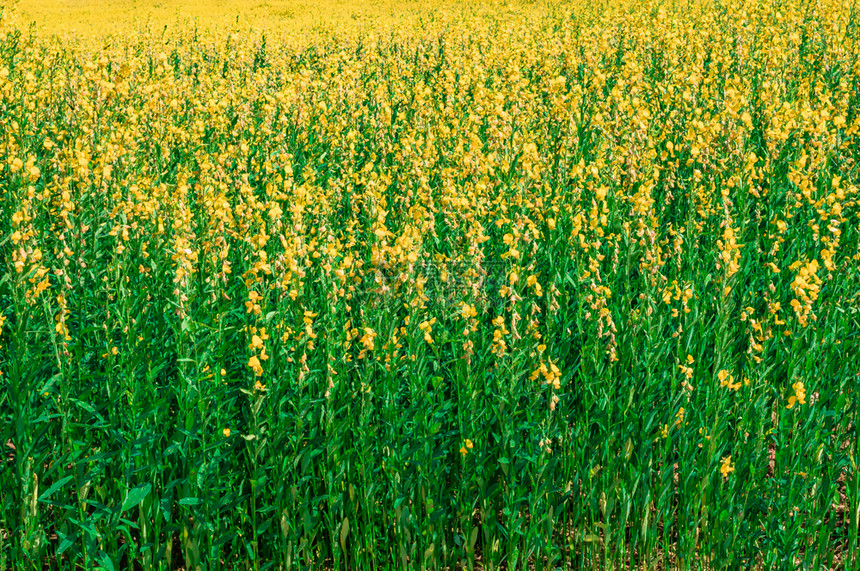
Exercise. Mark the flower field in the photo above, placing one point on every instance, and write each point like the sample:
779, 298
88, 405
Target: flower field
489, 286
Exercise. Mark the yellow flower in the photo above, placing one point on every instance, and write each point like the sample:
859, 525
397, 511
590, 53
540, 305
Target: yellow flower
728, 380
532, 282
226, 432
254, 363
251, 306
726, 467
799, 396
469, 310
427, 327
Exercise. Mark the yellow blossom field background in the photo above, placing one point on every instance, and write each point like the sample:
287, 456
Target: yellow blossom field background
93, 19
430, 285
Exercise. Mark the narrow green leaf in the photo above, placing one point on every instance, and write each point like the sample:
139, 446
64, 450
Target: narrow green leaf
56, 486
135, 496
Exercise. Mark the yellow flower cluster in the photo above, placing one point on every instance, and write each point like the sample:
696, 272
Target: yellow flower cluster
728, 380
806, 285
726, 467
607, 181
799, 396
258, 349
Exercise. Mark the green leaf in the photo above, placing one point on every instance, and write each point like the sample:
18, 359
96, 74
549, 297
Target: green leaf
190, 501
165, 508
344, 533
135, 496
105, 561
57, 485
66, 541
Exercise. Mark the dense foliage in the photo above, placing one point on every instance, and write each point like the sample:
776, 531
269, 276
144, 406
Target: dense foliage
572, 286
